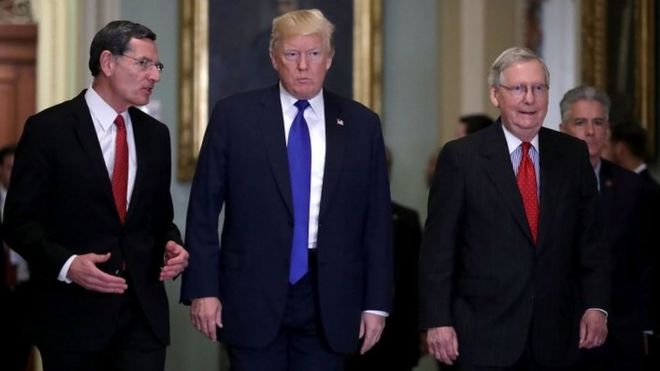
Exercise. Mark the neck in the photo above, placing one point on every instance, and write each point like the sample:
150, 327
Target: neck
103, 90
595, 161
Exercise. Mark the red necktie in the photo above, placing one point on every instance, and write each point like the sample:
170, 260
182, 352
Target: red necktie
120, 171
526, 180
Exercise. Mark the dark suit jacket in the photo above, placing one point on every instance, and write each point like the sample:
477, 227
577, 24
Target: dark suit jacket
480, 271
651, 251
619, 203
243, 164
398, 347
60, 203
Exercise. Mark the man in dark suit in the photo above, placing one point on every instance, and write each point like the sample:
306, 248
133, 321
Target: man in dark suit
90, 210
585, 115
305, 265
628, 143
399, 345
511, 273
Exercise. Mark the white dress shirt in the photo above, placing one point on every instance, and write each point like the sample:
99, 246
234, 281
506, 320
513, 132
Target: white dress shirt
103, 117
315, 117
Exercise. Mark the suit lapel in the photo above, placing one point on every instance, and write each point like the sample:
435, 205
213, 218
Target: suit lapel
271, 123
500, 171
335, 132
84, 129
140, 136
551, 159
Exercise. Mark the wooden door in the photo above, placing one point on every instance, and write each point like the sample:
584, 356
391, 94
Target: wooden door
18, 50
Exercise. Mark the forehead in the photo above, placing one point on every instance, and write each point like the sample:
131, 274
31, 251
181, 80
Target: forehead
143, 47
302, 42
587, 108
524, 71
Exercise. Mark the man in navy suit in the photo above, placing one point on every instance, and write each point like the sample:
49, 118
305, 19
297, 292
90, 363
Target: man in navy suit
511, 273
89, 208
272, 313
585, 115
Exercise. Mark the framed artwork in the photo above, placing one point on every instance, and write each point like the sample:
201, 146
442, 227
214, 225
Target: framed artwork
224, 50
619, 56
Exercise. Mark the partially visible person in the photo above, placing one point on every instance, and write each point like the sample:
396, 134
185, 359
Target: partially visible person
470, 124
585, 115
467, 124
628, 148
303, 273
512, 275
398, 348
14, 321
89, 208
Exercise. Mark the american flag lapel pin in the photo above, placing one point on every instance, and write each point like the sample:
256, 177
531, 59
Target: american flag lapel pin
340, 122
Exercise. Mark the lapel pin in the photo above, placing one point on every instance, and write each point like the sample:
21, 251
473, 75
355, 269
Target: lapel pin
340, 122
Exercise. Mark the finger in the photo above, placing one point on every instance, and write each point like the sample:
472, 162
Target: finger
583, 332
362, 329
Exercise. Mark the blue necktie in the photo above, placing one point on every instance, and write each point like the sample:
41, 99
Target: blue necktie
300, 162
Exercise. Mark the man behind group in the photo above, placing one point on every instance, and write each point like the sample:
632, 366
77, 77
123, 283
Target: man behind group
305, 264
628, 149
511, 273
585, 115
89, 208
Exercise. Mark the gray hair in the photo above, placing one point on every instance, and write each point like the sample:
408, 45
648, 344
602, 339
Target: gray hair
583, 93
512, 56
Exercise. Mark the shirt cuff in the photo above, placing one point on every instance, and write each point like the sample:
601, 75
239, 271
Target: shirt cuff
600, 310
377, 312
65, 270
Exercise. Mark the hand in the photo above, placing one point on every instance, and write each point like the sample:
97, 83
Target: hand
83, 271
206, 316
371, 327
175, 261
443, 344
593, 329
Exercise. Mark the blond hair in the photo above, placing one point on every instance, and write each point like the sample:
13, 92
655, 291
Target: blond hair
300, 23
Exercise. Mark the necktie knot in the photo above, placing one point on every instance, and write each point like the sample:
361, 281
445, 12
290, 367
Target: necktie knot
119, 121
525, 147
301, 105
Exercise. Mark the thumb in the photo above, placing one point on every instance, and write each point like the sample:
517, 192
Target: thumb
583, 332
96, 258
362, 329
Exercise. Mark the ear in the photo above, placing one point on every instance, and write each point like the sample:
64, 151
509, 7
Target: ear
493, 97
562, 128
107, 62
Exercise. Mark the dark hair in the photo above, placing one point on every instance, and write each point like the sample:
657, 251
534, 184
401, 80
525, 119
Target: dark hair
7, 151
474, 123
114, 37
633, 135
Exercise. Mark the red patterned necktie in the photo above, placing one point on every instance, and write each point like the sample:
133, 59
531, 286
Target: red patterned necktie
526, 180
120, 171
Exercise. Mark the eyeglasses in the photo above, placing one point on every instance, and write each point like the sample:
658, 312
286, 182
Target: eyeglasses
538, 90
145, 63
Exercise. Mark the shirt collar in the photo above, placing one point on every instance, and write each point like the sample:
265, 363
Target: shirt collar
640, 168
288, 101
101, 110
513, 142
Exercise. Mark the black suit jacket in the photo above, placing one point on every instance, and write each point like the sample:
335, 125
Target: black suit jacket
480, 271
651, 251
398, 347
60, 203
243, 165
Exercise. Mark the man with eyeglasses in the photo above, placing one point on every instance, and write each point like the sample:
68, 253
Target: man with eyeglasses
90, 210
512, 276
585, 115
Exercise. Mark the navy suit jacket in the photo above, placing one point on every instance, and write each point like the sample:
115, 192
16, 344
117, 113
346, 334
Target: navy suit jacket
480, 270
243, 165
60, 203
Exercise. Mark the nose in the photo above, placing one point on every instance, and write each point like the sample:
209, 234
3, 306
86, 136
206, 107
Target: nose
302, 62
589, 128
154, 74
528, 96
